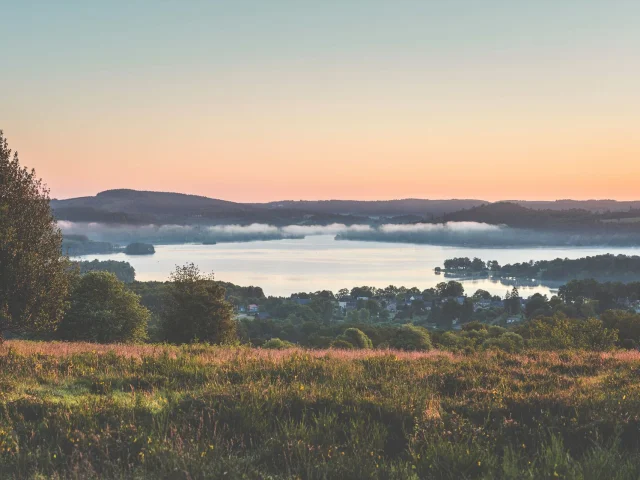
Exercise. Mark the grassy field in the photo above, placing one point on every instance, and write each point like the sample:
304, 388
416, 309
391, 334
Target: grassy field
88, 411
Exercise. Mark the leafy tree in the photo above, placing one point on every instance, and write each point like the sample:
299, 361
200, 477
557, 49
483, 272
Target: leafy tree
481, 295
195, 308
449, 289
103, 310
626, 323
364, 316
537, 305
34, 276
357, 338
411, 337
123, 270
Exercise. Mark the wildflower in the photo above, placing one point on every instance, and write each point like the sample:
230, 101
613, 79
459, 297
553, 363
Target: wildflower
301, 387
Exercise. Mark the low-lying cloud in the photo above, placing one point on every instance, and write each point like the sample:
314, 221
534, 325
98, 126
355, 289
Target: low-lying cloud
122, 234
469, 234
472, 234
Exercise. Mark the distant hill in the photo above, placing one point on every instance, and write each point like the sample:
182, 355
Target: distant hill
517, 216
377, 208
591, 205
143, 207
126, 206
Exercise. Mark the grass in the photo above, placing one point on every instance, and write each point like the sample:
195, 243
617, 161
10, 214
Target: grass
90, 411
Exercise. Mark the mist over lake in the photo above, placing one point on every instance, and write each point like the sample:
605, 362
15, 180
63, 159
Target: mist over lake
319, 262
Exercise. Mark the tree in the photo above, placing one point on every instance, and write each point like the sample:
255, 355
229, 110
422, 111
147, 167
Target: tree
34, 276
103, 310
481, 295
357, 338
537, 305
449, 289
123, 270
195, 308
138, 248
410, 337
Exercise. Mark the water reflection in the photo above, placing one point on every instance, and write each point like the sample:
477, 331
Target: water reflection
282, 267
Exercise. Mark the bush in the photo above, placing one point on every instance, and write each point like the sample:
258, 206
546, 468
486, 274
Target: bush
496, 331
103, 310
559, 332
277, 344
357, 338
410, 337
509, 342
342, 344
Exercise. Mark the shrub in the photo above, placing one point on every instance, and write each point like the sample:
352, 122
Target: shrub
103, 310
342, 344
495, 331
410, 337
277, 344
357, 338
509, 342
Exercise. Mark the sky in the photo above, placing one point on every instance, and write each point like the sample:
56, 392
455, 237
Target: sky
361, 99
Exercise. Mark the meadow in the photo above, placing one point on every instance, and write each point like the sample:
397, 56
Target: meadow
79, 410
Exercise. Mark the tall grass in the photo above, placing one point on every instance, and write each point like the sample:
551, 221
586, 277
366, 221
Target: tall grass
90, 411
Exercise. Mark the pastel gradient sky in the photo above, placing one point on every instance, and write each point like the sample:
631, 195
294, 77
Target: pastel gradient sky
266, 100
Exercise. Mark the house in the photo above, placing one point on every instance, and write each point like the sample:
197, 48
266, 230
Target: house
363, 298
481, 305
252, 308
392, 307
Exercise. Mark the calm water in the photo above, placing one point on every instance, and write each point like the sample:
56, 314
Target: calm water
282, 267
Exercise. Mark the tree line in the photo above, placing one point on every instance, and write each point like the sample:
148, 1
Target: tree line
598, 266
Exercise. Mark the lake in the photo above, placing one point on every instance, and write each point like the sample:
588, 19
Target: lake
319, 262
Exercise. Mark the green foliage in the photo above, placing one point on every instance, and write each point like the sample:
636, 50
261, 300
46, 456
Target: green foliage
342, 344
103, 310
277, 344
138, 248
123, 270
195, 308
559, 332
357, 338
411, 337
508, 342
449, 289
626, 323
199, 411
34, 278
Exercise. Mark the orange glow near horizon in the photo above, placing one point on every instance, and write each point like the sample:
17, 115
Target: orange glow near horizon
353, 100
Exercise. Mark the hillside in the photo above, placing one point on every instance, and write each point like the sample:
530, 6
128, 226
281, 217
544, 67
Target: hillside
74, 410
144, 207
515, 215
409, 206
125, 206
